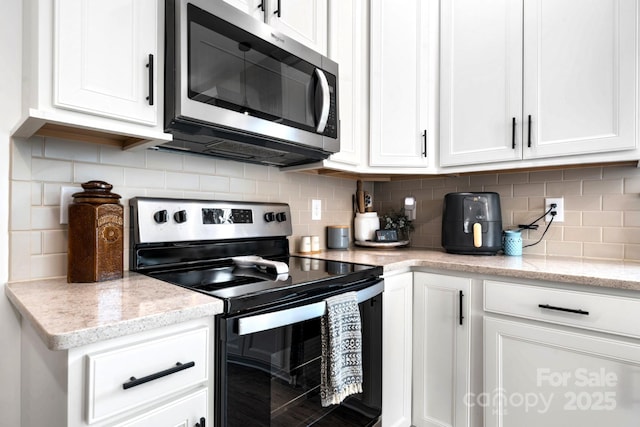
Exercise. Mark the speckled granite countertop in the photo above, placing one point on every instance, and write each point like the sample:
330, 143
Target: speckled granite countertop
611, 274
68, 315
71, 315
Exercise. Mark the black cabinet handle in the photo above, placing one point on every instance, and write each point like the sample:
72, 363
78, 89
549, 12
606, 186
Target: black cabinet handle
261, 6
568, 310
278, 11
133, 381
461, 316
201, 423
529, 133
513, 133
150, 67
424, 140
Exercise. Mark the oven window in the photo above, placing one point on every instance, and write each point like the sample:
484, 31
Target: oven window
273, 378
230, 68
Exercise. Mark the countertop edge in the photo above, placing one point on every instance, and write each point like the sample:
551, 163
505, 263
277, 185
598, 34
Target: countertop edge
69, 338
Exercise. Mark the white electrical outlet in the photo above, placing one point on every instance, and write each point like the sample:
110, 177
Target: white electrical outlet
559, 202
66, 199
316, 209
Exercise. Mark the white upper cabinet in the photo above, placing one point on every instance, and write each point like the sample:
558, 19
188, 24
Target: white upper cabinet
580, 76
92, 71
402, 128
537, 79
348, 47
481, 81
303, 20
104, 58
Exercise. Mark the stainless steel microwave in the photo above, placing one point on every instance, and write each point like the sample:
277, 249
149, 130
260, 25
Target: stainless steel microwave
235, 88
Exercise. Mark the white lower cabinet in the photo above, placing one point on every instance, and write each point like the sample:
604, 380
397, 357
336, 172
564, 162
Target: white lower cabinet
396, 350
161, 377
443, 324
539, 372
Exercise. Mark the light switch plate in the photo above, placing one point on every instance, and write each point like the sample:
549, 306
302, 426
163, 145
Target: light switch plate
66, 199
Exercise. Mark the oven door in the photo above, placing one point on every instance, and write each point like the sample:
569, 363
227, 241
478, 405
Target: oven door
268, 368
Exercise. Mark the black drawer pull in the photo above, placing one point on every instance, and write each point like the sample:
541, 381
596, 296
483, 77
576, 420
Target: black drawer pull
568, 310
133, 381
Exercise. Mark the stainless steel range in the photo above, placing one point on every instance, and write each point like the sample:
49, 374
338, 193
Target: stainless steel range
267, 369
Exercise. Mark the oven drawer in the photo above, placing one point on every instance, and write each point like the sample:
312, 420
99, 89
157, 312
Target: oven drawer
598, 312
121, 379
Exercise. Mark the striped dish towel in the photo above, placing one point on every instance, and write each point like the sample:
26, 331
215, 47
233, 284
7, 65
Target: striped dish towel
341, 362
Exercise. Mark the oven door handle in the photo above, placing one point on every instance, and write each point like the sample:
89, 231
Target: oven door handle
263, 322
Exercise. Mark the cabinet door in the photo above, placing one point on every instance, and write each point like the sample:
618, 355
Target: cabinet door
101, 58
399, 76
254, 8
348, 47
441, 350
481, 81
580, 76
303, 20
396, 350
539, 376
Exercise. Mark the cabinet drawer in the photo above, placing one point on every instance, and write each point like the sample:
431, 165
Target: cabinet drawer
184, 412
605, 313
126, 377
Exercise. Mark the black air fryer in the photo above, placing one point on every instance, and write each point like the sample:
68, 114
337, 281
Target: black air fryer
472, 223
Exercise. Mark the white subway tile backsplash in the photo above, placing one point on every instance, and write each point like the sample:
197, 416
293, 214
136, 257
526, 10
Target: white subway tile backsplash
244, 186
229, 168
145, 178
45, 217
116, 156
55, 148
84, 172
602, 208
164, 161
601, 222
183, 181
51, 170
20, 255
214, 183
21, 160
614, 186
20, 206
36, 193
54, 241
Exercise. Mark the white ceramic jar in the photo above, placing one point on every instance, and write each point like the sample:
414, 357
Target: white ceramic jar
365, 226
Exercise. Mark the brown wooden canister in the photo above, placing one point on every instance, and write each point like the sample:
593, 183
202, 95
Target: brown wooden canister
96, 247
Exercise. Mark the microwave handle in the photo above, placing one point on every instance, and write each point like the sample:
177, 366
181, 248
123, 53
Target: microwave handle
263, 322
323, 98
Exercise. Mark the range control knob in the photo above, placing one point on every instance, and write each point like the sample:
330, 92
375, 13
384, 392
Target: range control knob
180, 216
270, 216
281, 216
160, 216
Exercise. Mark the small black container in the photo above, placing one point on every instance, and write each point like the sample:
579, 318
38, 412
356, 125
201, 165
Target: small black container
472, 223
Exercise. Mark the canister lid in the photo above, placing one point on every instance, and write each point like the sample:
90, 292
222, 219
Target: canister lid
337, 226
97, 192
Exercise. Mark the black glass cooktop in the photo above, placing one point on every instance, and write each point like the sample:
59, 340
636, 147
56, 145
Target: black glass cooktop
257, 288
